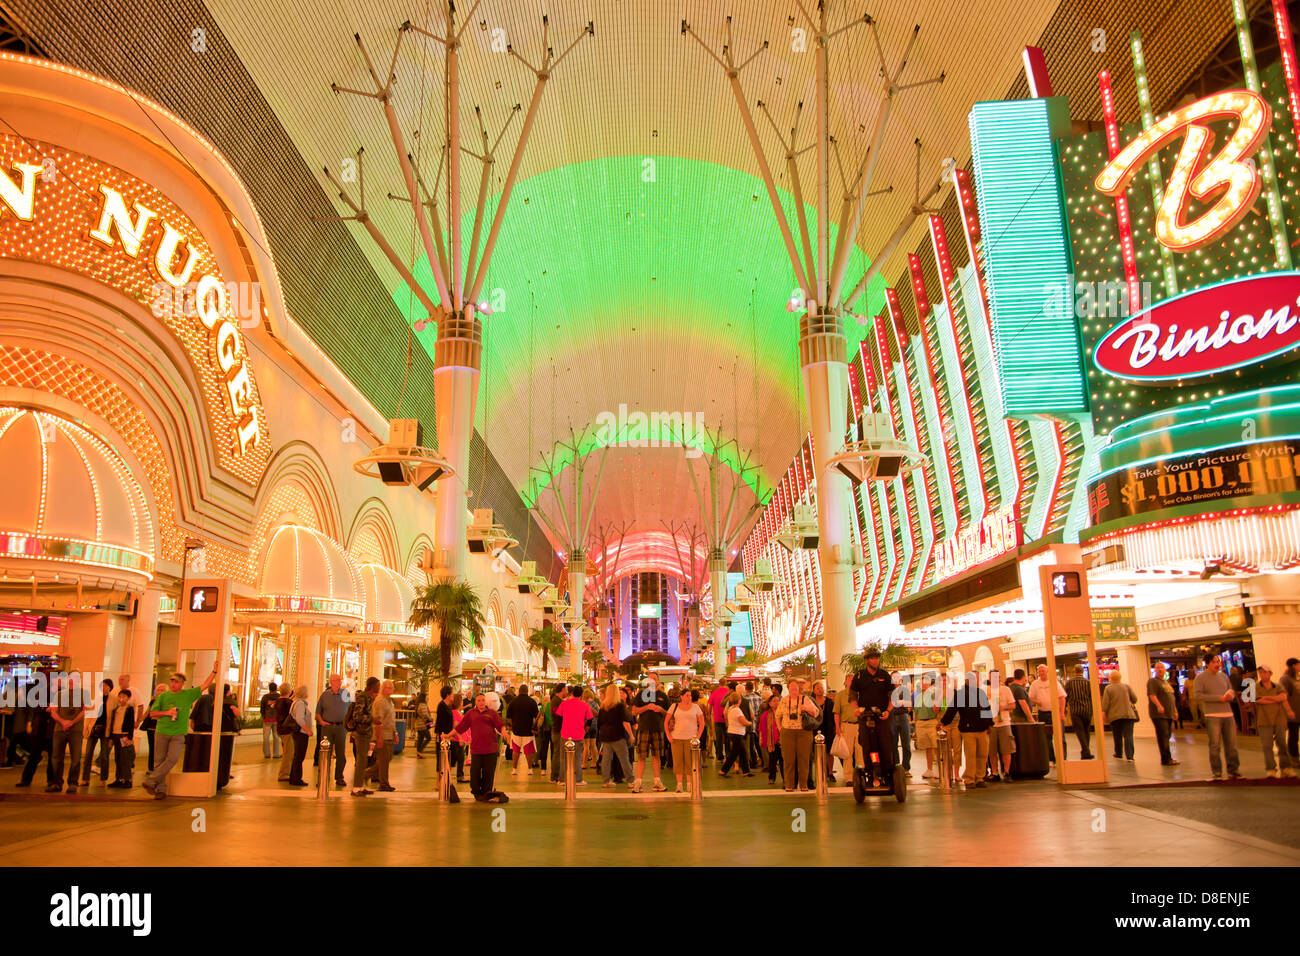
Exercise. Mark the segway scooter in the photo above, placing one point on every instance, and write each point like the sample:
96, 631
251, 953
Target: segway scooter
867, 781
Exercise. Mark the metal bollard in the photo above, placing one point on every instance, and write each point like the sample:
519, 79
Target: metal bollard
323, 781
444, 771
696, 793
819, 765
945, 762
570, 778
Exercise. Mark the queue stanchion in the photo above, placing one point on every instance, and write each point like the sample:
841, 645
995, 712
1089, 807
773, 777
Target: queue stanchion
696, 794
323, 777
570, 781
819, 765
444, 770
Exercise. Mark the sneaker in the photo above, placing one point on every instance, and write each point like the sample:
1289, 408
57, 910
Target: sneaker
1273, 774
1288, 772
636, 787
1233, 775
608, 785
659, 787
580, 783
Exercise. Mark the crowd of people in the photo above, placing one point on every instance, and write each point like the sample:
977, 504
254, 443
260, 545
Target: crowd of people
625, 729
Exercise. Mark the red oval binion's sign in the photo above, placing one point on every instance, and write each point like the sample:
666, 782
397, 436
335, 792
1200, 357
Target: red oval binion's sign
1214, 329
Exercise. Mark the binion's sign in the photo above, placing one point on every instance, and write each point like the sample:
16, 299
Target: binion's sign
1206, 331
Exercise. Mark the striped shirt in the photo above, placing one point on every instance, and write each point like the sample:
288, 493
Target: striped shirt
1078, 696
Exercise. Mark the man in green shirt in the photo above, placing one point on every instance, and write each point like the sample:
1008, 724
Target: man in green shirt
171, 710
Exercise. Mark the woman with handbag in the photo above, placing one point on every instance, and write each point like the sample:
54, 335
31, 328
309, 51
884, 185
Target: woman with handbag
799, 719
737, 727
769, 734
148, 723
300, 728
685, 722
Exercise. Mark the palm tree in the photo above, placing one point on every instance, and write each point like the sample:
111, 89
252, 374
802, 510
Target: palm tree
892, 657
547, 640
424, 661
455, 609
592, 659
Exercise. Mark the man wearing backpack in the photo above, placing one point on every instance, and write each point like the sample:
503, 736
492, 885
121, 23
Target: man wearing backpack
284, 729
360, 723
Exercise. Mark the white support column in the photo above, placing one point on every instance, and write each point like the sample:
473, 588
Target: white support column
718, 584
822, 350
142, 643
457, 358
1134, 669
577, 584
311, 664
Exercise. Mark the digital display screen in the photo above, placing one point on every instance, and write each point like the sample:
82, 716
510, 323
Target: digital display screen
203, 600
649, 610
1066, 584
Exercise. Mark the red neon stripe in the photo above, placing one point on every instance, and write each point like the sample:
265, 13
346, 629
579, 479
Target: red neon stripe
939, 243
1122, 222
1286, 44
971, 227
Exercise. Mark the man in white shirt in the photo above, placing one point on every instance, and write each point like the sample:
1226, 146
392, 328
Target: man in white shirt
1001, 742
1040, 696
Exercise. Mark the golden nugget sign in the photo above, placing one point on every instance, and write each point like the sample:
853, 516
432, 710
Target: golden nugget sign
996, 535
60, 238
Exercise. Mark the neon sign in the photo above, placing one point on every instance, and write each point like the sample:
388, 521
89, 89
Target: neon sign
1212, 329
1199, 173
996, 535
125, 227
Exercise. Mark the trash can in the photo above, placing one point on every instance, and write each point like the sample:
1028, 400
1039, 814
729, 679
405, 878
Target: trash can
198, 747
1030, 760
401, 737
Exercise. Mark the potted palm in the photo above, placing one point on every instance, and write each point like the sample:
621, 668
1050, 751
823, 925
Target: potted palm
454, 609
423, 662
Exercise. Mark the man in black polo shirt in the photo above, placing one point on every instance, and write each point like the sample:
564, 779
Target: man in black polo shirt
874, 687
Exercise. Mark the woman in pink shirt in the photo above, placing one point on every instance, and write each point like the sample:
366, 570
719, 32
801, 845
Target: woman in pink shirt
574, 714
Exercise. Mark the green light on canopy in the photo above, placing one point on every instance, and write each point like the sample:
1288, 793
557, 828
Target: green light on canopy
597, 250
658, 432
1027, 254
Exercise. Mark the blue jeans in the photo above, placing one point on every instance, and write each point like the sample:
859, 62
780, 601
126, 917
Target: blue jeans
903, 734
1222, 730
609, 749
270, 741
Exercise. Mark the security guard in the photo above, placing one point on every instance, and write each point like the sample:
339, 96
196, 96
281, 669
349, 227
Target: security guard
874, 688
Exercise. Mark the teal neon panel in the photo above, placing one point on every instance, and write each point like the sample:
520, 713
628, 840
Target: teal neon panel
1027, 254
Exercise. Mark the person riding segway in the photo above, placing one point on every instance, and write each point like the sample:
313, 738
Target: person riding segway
874, 688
